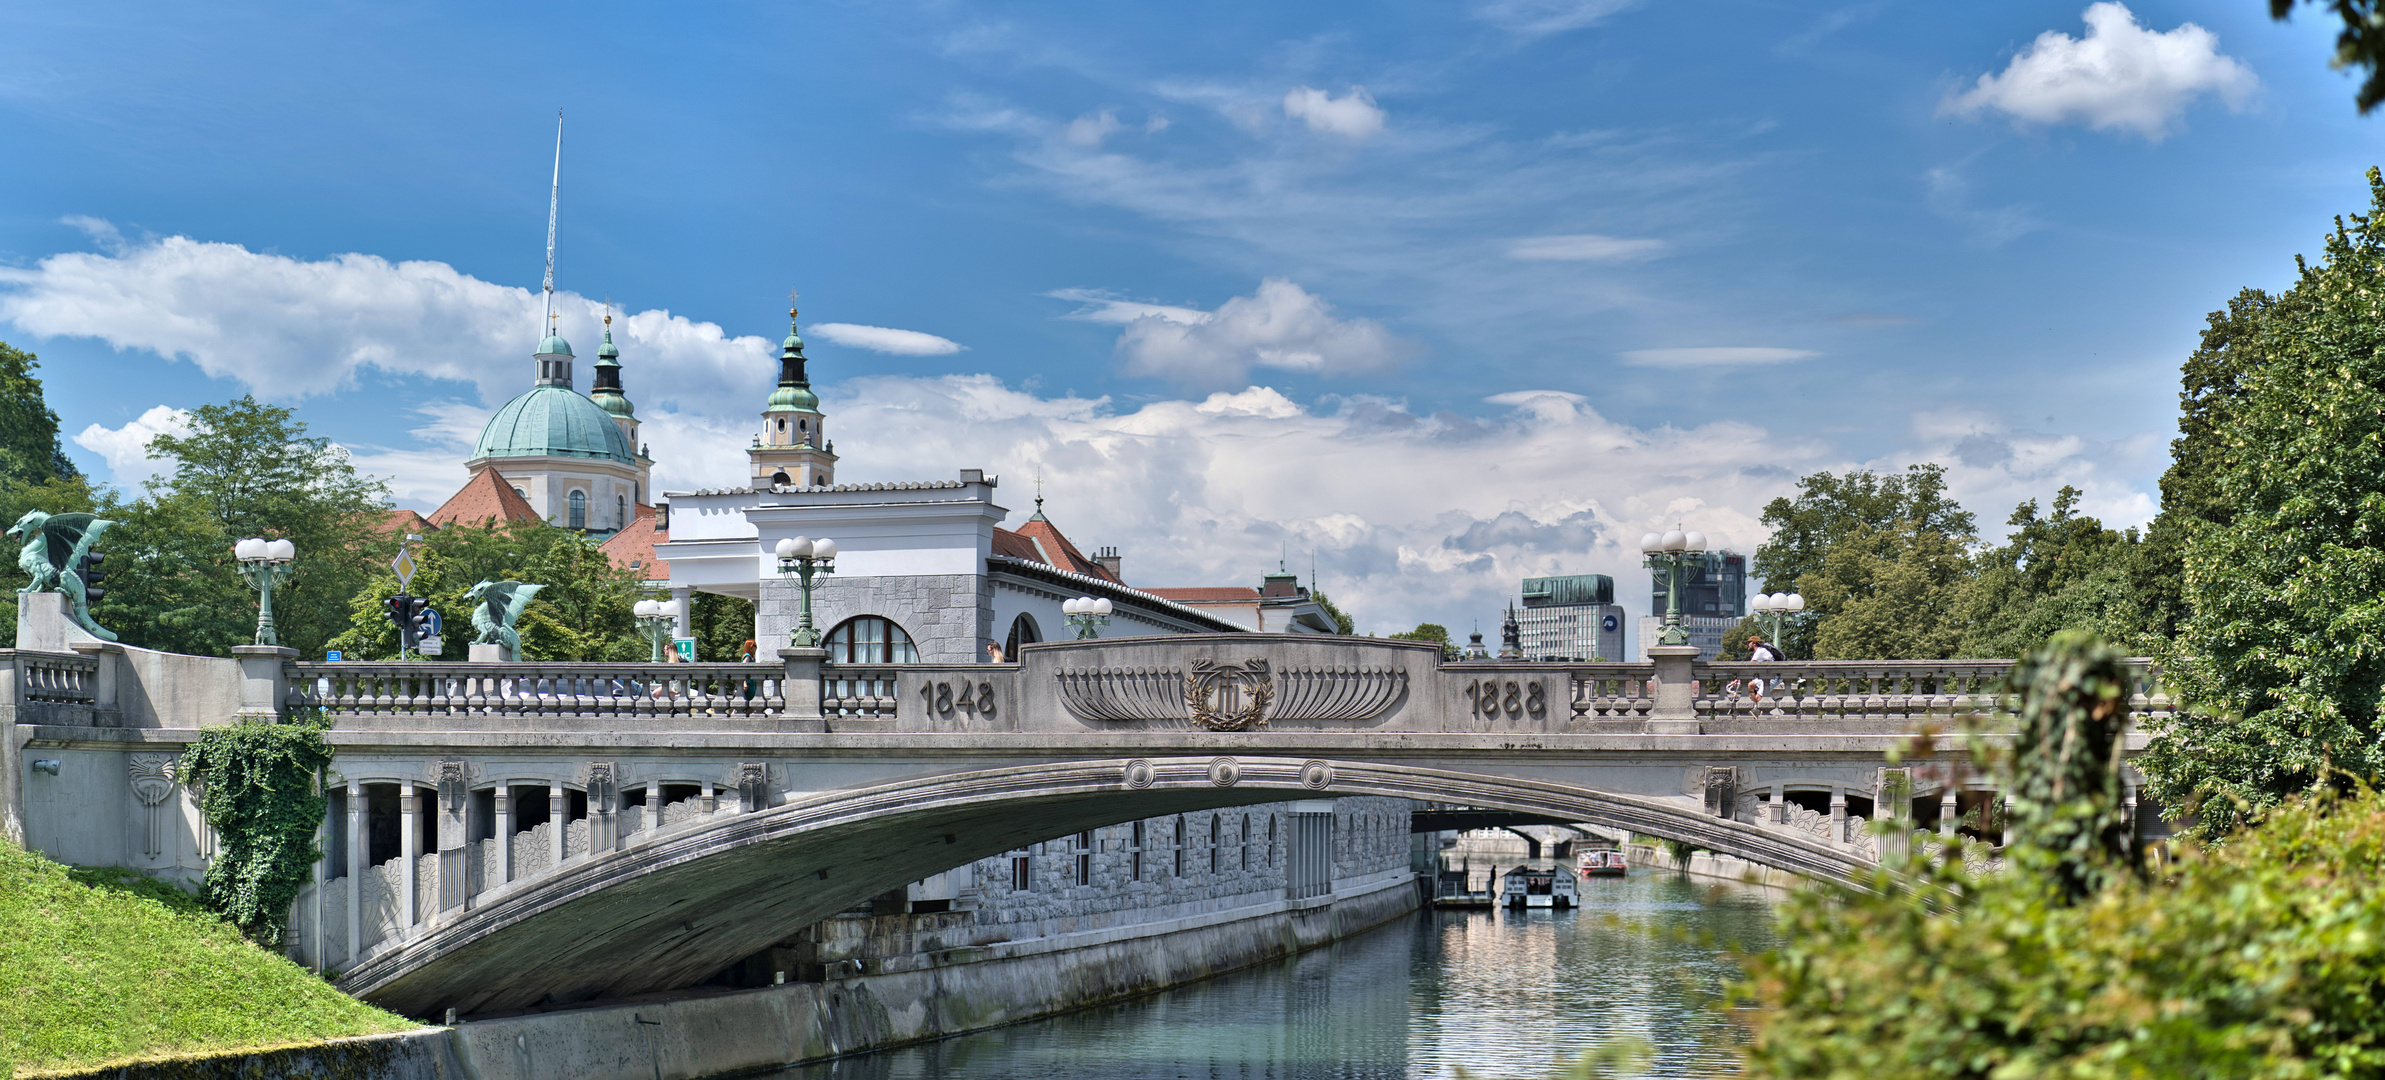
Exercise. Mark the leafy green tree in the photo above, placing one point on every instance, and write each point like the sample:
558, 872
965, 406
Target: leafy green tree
2260, 959
2058, 572
1878, 557
2280, 662
584, 613
2213, 383
2360, 45
1433, 632
244, 469
29, 448
1341, 620
722, 625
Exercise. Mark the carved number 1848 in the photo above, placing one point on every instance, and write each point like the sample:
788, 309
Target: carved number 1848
943, 701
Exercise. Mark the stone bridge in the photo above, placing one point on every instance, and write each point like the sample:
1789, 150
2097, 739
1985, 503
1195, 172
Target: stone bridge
506, 835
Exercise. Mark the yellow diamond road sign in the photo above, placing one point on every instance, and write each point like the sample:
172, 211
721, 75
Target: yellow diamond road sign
403, 565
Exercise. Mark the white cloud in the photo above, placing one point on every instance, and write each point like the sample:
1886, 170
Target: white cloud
126, 449
2121, 76
1352, 115
1537, 17
887, 340
1280, 326
1583, 247
1713, 356
1091, 129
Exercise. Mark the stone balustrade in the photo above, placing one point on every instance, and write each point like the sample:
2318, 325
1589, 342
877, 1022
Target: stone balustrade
63, 679
534, 690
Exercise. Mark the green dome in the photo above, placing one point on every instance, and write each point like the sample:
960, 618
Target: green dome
554, 345
613, 402
794, 399
553, 421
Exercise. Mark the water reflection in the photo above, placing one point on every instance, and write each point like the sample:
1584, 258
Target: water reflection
1502, 993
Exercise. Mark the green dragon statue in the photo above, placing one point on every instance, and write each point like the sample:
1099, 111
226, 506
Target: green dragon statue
54, 548
501, 602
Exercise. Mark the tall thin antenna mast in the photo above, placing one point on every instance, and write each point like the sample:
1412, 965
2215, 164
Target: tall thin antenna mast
554, 199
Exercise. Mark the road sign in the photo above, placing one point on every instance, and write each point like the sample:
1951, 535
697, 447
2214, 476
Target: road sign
434, 625
686, 648
403, 567
429, 646
333, 655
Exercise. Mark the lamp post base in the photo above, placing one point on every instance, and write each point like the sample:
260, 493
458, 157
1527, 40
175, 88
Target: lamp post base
485, 653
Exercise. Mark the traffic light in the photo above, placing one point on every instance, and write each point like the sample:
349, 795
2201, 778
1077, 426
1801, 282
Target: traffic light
92, 576
401, 612
418, 617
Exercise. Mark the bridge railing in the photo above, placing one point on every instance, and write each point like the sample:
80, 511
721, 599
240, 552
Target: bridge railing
537, 689
1908, 691
1613, 691
861, 691
63, 679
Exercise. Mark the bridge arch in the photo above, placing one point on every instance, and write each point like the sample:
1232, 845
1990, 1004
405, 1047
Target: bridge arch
675, 907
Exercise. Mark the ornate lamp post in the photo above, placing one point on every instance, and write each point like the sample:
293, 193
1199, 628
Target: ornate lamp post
804, 557
1087, 615
1671, 553
1779, 606
265, 562
655, 618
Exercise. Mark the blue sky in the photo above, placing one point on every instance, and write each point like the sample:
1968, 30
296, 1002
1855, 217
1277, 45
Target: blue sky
1438, 296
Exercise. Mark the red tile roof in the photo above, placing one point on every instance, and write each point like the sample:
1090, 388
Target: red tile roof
1012, 544
1054, 550
396, 523
1209, 594
485, 497
633, 547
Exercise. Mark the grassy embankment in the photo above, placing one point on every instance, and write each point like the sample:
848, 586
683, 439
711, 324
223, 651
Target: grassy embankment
101, 967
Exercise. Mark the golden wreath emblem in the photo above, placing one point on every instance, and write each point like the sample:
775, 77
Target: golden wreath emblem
1229, 697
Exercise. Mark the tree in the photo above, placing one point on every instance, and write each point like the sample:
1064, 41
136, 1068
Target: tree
2213, 381
30, 452
245, 469
1341, 622
2280, 662
2360, 45
584, 613
2059, 572
1433, 632
722, 626
1877, 557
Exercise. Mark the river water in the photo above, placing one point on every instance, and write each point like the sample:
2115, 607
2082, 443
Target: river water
1500, 993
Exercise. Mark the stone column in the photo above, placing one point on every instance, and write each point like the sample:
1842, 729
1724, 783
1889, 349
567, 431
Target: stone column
802, 689
358, 817
1947, 814
1778, 806
682, 624
503, 827
261, 681
559, 816
1838, 814
1675, 690
409, 846
710, 801
455, 816
654, 804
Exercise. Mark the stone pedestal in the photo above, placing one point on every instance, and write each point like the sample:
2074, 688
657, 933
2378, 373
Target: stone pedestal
261, 681
801, 688
1676, 710
485, 654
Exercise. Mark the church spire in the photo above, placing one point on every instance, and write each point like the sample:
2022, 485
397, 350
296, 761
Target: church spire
793, 448
554, 353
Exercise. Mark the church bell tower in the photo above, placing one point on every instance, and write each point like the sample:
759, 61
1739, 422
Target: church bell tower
793, 449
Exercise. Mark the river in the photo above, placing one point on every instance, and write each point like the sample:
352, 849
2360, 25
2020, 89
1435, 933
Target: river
1499, 993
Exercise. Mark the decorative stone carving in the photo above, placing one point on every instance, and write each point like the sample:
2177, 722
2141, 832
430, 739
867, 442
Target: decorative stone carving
1137, 774
454, 788
753, 784
1722, 791
1316, 775
1224, 771
152, 783
1240, 692
1231, 696
604, 785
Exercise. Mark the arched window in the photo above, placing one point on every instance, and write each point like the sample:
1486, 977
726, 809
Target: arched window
1022, 632
579, 509
780, 477
620, 512
870, 639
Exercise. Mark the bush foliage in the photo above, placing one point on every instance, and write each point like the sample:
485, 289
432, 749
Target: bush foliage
258, 789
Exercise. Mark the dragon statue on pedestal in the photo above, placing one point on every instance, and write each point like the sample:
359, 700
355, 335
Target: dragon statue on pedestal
55, 545
501, 602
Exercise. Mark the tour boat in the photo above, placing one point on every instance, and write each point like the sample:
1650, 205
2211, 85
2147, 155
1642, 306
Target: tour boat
1540, 886
1603, 864
1455, 889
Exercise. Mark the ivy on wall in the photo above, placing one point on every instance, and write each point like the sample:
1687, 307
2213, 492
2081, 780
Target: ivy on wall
257, 788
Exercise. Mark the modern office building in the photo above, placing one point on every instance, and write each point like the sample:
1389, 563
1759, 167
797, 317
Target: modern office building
1714, 588
1571, 618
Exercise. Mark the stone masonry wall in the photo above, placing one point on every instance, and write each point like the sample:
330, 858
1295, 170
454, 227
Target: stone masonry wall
949, 616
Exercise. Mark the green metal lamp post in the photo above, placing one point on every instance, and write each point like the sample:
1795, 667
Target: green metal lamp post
1778, 606
804, 557
264, 563
1671, 552
1087, 615
655, 618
